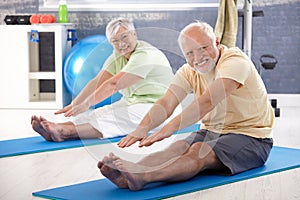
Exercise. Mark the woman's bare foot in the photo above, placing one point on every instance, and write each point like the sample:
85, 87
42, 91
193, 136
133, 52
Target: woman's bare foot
109, 171
132, 172
37, 127
54, 130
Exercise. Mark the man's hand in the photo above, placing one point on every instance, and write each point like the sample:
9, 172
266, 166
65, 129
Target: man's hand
132, 138
155, 137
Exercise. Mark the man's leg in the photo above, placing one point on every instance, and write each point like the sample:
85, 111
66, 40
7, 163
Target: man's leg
108, 169
199, 157
175, 150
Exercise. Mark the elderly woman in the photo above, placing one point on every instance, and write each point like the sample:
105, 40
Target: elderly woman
136, 69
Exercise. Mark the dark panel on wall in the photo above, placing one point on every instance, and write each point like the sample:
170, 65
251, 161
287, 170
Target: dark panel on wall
46, 52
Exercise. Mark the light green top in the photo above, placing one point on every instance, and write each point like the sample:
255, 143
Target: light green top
151, 65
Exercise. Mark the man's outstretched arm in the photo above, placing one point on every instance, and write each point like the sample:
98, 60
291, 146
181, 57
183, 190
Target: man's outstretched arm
160, 111
218, 91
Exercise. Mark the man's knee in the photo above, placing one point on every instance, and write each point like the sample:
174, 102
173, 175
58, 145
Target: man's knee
179, 147
207, 158
202, 150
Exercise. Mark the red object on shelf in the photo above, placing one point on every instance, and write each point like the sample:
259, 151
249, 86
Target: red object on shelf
44, 19
47, 19
35, 19
53, 18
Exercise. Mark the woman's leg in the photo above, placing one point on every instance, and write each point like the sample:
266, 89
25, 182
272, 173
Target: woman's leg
59, 132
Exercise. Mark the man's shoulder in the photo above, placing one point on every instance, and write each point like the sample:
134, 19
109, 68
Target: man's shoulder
185, 70
232, 51
233, 56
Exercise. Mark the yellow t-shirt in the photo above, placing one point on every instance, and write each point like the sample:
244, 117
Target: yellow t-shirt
247, 110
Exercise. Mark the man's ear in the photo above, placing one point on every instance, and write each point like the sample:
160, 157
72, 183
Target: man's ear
217, 41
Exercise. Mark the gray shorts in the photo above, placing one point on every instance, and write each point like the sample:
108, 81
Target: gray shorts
236, 151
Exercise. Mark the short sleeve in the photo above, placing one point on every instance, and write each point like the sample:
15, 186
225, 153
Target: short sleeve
139, 64
180, 80
109, 65
235, 67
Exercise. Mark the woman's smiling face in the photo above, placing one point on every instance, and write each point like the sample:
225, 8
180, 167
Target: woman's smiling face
124, 42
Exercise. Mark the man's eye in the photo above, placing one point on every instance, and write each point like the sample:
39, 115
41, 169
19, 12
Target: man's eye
202, 48
189, 53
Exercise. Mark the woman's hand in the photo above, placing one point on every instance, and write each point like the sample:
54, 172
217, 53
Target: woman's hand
64, 110
77, 109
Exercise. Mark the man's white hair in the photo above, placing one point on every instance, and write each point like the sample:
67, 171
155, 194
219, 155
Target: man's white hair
203, 26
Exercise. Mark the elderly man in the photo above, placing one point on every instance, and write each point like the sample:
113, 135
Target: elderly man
138, 70
231, 100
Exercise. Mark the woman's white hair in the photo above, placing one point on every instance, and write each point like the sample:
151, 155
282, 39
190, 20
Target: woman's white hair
114, 25
203, 26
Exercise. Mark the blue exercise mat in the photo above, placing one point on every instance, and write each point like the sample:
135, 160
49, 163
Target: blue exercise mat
38, 144
280, 159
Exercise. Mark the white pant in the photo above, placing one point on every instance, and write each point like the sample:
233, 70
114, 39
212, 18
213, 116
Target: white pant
117, 119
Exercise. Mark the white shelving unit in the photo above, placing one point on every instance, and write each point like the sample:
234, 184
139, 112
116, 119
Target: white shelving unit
31, 72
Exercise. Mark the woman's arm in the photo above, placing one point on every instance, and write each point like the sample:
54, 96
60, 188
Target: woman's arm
102, 76
117, 82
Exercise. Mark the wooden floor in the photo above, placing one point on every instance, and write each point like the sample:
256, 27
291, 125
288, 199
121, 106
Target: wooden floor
22, 175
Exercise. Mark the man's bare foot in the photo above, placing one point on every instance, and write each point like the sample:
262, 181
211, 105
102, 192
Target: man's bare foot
37, 127
131, 172
54, 130
109, 171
